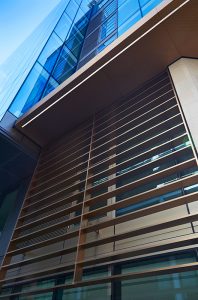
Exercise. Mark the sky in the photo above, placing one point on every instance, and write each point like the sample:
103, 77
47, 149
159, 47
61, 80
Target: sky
18, 18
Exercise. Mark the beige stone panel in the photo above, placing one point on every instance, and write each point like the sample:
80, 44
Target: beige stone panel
184, 73
193, 208
196, 228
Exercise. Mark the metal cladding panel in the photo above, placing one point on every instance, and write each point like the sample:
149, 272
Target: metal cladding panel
115, 189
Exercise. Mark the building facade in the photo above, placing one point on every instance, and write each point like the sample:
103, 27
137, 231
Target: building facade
111, 210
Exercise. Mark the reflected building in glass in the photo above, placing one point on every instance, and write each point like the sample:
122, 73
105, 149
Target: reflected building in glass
99, 146
84, 29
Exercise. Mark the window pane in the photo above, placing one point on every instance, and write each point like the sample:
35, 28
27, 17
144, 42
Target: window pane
50, 52
71, 9
96, 292
106, 43
102, 3
159, 262
51, 85
108, 27
31, 91
109, 9
177, 286
85, 6
82, 24
65, 66
80, 15
75, 42
149, 5
126, 9
63, 27
128, 14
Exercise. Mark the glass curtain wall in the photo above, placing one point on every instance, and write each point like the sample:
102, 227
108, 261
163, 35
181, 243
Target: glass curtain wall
84, 29
14, 70
58, 59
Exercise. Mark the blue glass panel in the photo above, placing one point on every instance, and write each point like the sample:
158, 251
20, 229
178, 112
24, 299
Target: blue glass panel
149, 2
102, 3
75, 42
50, 52
51, 85
109, 9
82, 25
63, 27
72, 9
86, 7
127, 11
80, 14
65, 66
191, 189
108, 27
149, 5
31, 91
107, 6
129, 22
78, 1
143, 2
106, 43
